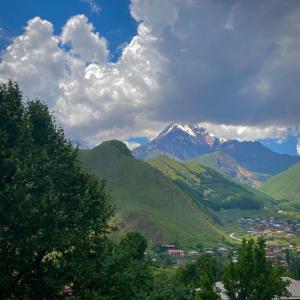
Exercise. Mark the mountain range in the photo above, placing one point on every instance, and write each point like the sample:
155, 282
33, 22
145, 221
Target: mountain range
167, 200
186, 183
187, 141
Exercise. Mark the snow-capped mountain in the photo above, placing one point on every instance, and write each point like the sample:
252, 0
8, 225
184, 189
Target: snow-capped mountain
181, 141
186, 141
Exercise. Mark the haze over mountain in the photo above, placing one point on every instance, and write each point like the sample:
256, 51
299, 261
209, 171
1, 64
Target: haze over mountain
186, 141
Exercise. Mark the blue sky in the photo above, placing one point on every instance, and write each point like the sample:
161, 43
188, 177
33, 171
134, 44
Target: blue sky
125, 69
113, 19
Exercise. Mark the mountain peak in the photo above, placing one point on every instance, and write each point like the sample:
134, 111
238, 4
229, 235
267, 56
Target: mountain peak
179, 140
185, 127
197, 133
118, 145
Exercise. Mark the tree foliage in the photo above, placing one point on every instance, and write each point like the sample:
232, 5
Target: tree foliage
54, 216
253, 277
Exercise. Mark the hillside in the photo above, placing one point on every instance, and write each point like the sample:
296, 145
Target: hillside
146, 200
285, 185
207, 186
226, 165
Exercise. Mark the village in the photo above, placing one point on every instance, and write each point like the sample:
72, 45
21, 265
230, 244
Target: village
172, 254
272, 229
267, 226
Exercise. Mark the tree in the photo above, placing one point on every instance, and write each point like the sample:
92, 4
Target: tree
253, 277
293, 260
207, 289
124, 274
53, 216
209, 271
201, 276
167, 286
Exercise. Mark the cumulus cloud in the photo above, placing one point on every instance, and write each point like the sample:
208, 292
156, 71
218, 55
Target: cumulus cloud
233, 65
251, 133
83, 41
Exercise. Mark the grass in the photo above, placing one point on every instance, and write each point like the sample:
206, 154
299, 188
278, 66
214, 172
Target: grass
285, 185
226, 165
148, 201
209, 187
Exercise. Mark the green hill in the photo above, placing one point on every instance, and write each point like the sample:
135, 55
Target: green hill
226, 165
146, 200
285, 185
207, 186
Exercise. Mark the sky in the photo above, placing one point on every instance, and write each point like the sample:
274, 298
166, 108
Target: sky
126, 69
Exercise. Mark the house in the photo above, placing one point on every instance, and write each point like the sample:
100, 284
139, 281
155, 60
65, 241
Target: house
168, 246
175, 252
193, 253
223, 250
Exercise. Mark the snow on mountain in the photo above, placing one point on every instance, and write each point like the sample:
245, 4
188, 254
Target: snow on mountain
186, 141
181, 141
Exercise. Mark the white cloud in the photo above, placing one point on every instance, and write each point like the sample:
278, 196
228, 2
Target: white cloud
251, 133
84, 42
298, 148
200, 61
92, 98
131, 145
94, 6
35, 61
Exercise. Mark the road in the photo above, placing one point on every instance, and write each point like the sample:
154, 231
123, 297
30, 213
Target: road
233, 237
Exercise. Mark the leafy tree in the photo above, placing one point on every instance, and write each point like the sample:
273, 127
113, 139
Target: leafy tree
253, 277
53, 216
293, 265
201, 276
125, 274
191, 274
134, 245
207, 289
209, 271
167, 286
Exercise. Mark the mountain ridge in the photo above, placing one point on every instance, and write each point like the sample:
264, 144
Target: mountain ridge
226, 165
285, 185
186, 141
146, 200
208, 186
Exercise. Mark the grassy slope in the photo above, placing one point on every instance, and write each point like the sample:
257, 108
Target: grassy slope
226, 165
146, 200
208, 186
285, 185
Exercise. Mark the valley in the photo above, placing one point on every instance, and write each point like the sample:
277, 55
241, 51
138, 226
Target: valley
150, 150
209, 199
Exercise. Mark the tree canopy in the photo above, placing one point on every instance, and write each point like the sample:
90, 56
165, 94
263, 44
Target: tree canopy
253, 277
54, 216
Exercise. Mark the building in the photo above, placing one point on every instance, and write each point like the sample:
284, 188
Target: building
175, 252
